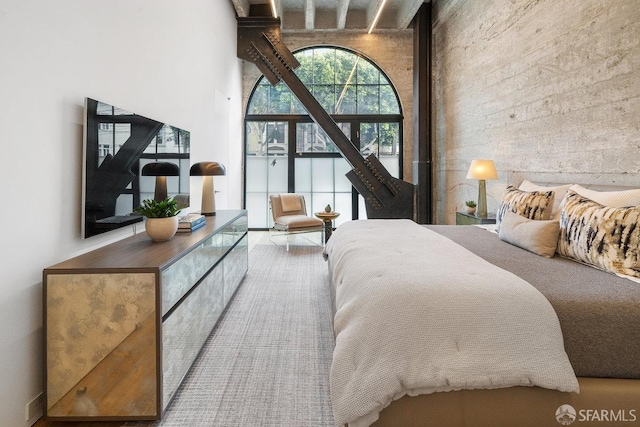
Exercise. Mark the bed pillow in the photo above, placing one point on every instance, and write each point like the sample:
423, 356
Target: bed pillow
603, 236
559, 192
529, 204
616, 199
539, 237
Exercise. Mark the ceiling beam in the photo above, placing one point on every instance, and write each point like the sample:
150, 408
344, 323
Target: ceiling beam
443, 13
373, 10
242, 7
341, 12
407, 11
309, 14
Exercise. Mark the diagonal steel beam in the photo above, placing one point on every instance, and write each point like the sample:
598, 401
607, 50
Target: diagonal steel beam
260, 41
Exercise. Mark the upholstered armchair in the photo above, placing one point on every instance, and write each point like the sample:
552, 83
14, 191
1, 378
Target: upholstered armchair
290, 216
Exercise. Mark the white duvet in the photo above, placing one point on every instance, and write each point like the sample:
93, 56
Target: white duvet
416, 313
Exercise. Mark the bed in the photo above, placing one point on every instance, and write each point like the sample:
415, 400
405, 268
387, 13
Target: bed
379, 378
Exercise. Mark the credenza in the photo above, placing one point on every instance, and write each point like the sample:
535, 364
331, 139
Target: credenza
124, 323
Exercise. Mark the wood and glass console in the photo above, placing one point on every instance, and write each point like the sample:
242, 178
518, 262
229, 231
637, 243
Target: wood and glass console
124, 323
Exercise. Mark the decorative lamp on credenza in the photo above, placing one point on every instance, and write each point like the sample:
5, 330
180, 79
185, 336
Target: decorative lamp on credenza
161, 170
208, 170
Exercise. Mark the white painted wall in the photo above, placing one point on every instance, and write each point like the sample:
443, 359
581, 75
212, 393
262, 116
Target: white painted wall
163, 59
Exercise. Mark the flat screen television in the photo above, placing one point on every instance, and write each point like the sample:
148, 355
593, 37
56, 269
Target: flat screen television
117, 145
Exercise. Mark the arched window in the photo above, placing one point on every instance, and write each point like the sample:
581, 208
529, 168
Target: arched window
286, 152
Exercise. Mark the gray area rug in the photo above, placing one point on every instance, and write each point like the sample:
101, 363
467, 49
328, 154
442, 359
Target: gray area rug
267, 362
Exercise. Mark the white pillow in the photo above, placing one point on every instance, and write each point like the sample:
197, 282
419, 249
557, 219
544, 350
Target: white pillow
537, 236
559, 192
615, 199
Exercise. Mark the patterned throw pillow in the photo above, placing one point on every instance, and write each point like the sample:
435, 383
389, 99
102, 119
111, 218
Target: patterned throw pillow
559, 192
603, 236
529, 204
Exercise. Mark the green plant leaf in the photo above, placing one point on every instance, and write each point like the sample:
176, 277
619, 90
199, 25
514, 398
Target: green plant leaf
154, 209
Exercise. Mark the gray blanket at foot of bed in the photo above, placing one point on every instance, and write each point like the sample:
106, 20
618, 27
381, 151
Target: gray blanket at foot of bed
599, 312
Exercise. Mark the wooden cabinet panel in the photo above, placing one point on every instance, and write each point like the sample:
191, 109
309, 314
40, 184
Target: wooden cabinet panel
100, 328
125, 318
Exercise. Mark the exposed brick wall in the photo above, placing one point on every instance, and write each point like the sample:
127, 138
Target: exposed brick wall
548, 89
390, 50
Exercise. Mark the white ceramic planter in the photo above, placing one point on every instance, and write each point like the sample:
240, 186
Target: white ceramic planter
161, 229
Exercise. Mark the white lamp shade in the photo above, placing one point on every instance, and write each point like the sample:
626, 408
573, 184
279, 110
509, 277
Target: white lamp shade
482, 169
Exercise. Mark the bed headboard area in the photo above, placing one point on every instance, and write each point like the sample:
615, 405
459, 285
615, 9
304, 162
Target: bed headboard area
594, 187
592, 224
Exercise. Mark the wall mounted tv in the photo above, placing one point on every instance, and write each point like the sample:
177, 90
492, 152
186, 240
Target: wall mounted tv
117, 144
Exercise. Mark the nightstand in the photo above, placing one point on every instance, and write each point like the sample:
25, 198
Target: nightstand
327, 218
463, 218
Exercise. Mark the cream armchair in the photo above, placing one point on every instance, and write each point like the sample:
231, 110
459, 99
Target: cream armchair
290, 216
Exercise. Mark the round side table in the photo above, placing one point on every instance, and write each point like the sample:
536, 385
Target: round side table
327, 218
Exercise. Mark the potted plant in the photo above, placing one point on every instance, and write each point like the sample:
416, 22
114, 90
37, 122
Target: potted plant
471, 206
162, 219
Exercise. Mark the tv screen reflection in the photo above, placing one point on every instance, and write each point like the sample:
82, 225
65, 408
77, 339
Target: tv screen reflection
117, 145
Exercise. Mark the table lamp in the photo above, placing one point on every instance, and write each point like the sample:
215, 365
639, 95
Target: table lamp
161, 170
482, 170
208, 170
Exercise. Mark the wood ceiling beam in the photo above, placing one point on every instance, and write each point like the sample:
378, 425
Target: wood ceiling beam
407, 11
242, 7
309, 14
341, 14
